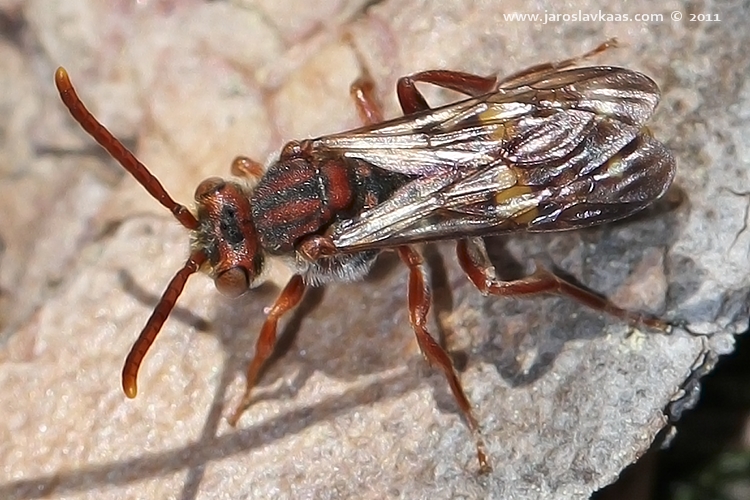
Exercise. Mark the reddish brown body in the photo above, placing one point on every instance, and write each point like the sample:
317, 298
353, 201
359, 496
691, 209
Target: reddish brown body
301, 195
547, 149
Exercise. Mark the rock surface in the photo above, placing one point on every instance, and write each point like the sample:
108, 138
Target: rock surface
566, 397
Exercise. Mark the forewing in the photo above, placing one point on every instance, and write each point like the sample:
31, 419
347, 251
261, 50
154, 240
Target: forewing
499, 199
592, 112
627, 182
414, 207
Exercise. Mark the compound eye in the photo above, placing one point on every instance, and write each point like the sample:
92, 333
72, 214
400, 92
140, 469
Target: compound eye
207, 187
233, 282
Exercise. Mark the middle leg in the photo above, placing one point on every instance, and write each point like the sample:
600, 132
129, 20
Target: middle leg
368, 107
419, 300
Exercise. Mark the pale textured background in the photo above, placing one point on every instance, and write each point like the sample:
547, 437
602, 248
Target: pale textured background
565, 397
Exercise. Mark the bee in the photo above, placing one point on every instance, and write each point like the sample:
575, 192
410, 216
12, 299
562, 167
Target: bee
552, 148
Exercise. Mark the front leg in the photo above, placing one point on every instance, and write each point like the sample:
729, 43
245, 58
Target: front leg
247, 168
289, 298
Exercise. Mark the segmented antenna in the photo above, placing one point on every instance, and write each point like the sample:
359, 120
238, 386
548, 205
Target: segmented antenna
138, 170
156, 321
118, 151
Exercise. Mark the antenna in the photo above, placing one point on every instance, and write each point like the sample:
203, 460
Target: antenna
118, 151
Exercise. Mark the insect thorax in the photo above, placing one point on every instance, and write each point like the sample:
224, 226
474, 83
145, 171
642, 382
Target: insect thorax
299, 197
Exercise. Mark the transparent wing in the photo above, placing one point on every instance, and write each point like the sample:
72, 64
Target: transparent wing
500, 198
529, 121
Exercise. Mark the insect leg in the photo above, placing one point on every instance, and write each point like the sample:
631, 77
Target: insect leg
315, 246
537, 71
476, 264
242, 166
362, 91
412, 100
419, 299
290, 297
